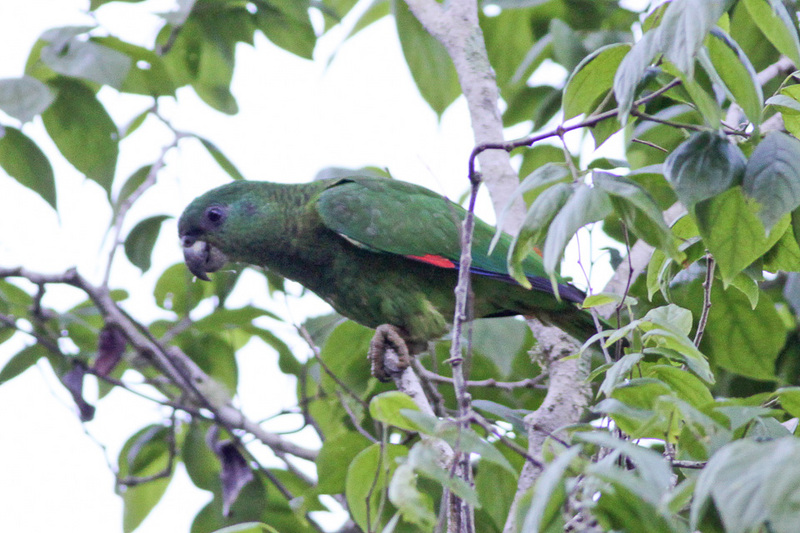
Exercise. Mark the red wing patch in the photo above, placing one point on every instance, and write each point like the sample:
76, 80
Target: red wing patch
435, 260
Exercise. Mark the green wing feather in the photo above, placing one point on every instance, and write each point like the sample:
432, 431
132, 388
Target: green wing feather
405, 219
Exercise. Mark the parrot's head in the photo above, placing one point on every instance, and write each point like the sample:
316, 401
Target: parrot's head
214, 225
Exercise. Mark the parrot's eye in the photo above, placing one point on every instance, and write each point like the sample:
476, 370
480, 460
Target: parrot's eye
215, 214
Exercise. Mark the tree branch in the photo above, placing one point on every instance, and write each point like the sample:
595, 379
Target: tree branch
174, 364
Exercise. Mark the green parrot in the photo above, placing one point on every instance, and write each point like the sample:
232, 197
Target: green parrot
379, 251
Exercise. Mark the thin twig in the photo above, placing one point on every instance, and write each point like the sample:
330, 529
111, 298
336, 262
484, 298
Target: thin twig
562, 129
126, 387
651, 145
689, 464
707, 283
462, 292
491, 383
127, 203
44, 340
462, 511
133, 481
318, 356
426, 379
485, 424
628, 281
592, 311
352, 416
568, 157
644, 116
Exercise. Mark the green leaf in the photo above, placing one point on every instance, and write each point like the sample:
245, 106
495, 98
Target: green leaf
347, 339
657, 273
24, 98
217, 358
631, 71
705, 102
21, 361
458, 437
503, 412
133, 182
741, 339
535, 227
784, 101
671, 317
77, 120
568, 48
618, 372
386, 406
790, 399
549, 493
496, 490
738, 74
751, 484
748, 286
213, 81
704, 166
202, 60
221, 159
586, 205
248, 527
508, 38
176, 291
87, 60
147, 74
287, 24
202, 464
94, 4
537, 181
684, 28
777, 25
428, 61
367, 477
146, 453
513, 335
651, 467
426, 460
772, 176
732, 231
415, 506
25, 162
686, 386
682, 347
134, 124
592, 78
638, 210
601, 299
376, 11
334, 459
785, 256
141, 240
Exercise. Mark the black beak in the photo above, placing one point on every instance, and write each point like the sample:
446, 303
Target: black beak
201, 258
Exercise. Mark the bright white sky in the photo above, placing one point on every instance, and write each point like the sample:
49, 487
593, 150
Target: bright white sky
295, 118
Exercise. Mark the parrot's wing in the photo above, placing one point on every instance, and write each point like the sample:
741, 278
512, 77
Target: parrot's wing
396, 217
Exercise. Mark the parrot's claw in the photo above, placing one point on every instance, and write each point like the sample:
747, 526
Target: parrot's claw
388, 353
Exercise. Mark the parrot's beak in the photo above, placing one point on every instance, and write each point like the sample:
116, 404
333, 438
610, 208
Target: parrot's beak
201, 258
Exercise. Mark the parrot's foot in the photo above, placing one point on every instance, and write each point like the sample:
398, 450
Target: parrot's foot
388, 353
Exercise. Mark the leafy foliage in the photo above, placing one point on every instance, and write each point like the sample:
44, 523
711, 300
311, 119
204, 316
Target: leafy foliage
709, 370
